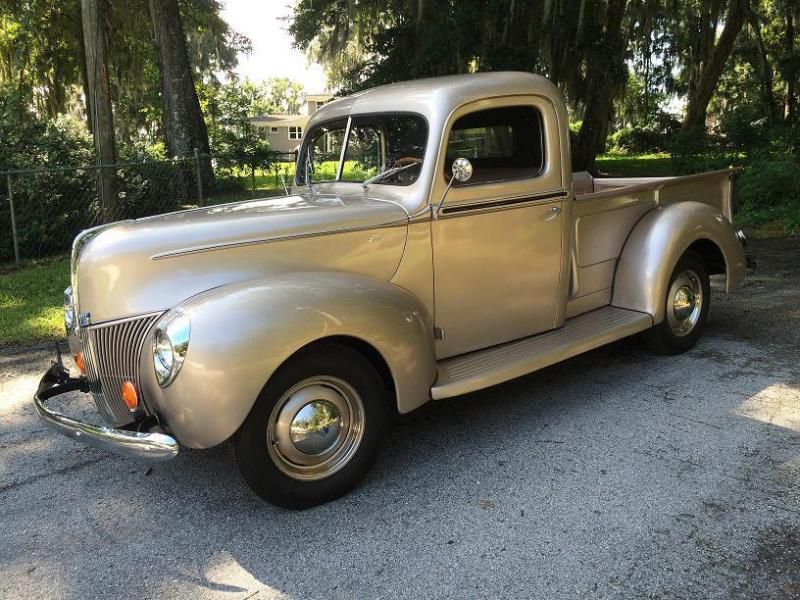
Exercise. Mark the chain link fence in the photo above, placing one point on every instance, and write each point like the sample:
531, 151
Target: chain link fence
43, 209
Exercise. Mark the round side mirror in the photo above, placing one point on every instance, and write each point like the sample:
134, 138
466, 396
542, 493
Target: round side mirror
462, 170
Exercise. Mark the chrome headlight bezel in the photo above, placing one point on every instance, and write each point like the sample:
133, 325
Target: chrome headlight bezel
69, 311
170, 343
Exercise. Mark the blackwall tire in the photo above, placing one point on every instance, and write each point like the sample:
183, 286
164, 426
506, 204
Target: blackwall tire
315, 429
686, 307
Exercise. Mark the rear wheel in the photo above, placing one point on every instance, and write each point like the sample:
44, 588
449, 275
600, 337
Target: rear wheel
686, 308
315, 429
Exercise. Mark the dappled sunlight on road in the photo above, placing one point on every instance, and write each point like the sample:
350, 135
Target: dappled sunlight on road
778, 404
224, 573
46, 577
17, 393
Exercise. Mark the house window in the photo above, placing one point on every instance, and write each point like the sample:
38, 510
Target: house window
273, 129
295, 133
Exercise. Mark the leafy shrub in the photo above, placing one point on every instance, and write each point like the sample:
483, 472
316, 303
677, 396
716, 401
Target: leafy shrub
49, 207
768, 189
638, 140
744, 128
695, 152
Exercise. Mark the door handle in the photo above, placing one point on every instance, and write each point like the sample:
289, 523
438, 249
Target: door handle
552, 213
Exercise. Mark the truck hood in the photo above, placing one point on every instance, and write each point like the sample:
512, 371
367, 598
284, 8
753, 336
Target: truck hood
151, 264
255, 221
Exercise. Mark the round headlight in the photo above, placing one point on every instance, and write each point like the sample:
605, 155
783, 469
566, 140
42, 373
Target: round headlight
170, 342
69, 311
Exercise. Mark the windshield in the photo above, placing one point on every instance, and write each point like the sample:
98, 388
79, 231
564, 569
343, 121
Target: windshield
386, 149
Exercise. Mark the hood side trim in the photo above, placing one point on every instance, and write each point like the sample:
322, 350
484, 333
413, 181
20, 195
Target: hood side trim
267, 240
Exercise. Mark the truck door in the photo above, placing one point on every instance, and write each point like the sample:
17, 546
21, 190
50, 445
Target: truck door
498, 238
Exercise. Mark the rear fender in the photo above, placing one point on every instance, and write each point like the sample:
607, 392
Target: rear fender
242, 333
655, 245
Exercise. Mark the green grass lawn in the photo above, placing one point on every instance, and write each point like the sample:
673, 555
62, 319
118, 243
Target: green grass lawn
32, 300
635, 165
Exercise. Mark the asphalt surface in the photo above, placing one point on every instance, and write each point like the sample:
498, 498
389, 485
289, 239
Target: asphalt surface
617, 474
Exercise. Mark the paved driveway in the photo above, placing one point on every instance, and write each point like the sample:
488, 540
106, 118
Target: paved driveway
615, 474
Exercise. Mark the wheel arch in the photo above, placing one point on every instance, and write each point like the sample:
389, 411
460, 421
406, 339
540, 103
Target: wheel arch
242, 334
362, 347
657, 242
712, 255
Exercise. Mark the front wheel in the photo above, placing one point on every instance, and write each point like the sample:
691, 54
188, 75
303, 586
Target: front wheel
686, 308
315, 429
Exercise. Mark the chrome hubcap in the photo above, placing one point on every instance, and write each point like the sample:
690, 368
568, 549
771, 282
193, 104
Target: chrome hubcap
684, 303
315, 428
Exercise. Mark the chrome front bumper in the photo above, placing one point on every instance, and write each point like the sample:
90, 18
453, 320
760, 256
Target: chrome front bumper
152, 446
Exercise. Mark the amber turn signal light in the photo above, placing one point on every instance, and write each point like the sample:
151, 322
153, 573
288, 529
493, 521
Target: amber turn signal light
129, 396
79, 362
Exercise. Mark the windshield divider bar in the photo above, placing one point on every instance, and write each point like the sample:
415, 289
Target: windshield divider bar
344, 148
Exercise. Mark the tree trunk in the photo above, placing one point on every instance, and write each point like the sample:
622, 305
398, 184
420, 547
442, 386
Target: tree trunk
790, 73
86, 88
94, 21
183, 122
709, 74
763, 68
606, 73
702, 49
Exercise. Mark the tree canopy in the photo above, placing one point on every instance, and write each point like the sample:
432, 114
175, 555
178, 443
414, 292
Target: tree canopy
723, 67
42, 58
615, 60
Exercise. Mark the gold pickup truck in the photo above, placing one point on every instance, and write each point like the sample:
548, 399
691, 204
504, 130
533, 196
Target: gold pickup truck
434, 242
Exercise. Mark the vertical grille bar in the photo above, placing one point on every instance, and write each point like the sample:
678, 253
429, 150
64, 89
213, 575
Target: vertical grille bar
111, 352
93, 374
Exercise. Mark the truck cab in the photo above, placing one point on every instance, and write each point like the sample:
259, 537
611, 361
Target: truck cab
496, 240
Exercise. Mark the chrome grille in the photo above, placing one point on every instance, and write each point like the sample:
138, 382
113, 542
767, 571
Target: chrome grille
111, 354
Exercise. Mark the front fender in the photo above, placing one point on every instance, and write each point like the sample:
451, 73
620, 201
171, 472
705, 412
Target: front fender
241, 333
656, 244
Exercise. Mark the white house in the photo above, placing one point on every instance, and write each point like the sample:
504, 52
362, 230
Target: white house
285, 131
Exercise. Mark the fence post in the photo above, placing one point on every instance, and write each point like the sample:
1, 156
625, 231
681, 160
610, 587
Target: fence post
197, 177
13, 219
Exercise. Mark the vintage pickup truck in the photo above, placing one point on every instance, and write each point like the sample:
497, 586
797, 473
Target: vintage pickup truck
434, 242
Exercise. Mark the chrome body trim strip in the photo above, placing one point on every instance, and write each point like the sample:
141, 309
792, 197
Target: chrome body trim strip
458, 209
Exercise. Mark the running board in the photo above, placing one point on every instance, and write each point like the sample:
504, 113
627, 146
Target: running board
485, 368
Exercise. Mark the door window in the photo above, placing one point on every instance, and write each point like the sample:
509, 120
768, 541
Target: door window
501, 143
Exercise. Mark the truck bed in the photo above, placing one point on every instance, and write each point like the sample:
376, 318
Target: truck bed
714, 188
605, 211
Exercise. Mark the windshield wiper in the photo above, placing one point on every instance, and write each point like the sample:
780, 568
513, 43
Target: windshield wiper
388, 172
